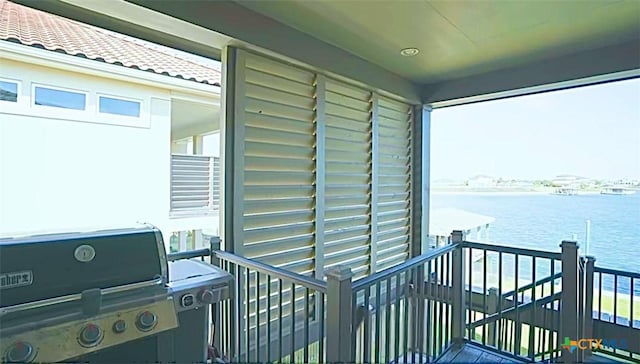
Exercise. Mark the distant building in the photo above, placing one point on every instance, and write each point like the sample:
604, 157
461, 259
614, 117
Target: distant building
482, 181
446, 182
569, 180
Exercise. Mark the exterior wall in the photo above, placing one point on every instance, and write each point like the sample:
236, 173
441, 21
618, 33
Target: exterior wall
69, 170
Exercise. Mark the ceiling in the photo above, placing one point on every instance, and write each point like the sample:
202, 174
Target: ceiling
458, 39
469, 50
190, 118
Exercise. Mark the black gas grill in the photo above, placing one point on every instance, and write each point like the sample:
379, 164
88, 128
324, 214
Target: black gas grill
104, 296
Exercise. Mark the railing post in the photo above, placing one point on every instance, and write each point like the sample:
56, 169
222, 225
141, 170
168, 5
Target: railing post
339, 311
569, 298
587, 324
457, 286
216, 312
214, 245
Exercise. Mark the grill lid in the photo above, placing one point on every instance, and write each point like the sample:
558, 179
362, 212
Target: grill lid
41, 267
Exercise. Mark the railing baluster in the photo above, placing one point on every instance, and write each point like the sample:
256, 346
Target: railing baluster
321, 333
484, 295
236, 318
280, 330
428, 299
377, 329
292, 330
248, 310
269, 318
257, 344
306, 325
405, 313
587, 302
471, 335
421, 298
543, 330
396, 336
532, 325
387, 330
631, 298
437, 313
357, 336
414, 315
448, 286
599, 296
615, 300
499, 325
441, 297
516, 341
434, 304
555, 313
366, 332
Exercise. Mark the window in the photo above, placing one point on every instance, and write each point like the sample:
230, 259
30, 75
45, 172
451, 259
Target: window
109, 105
59, 98
8, 91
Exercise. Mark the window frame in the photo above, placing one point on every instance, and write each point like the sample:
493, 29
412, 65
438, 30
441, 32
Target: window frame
18, 90
87, 95
123, 98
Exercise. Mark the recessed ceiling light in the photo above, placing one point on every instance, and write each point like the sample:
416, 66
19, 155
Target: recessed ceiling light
408, 52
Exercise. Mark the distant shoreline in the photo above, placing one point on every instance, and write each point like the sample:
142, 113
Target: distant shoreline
498, 192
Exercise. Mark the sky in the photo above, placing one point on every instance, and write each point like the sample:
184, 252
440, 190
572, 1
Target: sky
589, 131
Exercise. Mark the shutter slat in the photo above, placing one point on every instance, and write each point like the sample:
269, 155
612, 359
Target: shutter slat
279, 69
341, 123
277, 164
257, 77
279, 123
279, 96
349, 102
275, 150
277, 178
277, 137
347, 90
278, 110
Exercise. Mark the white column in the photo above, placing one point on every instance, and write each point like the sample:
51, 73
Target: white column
182, 241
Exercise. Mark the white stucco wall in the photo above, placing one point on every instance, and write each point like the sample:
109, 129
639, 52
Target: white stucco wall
63, 170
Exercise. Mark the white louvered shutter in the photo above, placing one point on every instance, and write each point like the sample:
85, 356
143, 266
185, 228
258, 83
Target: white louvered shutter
322, 170
394, 183
347, 234
279, 164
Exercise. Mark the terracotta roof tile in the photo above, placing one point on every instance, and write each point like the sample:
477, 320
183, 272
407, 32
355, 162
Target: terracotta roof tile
24, 25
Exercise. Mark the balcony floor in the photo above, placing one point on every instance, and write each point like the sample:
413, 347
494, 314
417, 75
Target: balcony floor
469, 353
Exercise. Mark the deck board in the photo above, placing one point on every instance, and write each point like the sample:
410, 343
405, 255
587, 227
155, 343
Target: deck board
468, 353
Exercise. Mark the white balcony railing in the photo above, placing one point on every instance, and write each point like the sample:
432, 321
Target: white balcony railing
195, 183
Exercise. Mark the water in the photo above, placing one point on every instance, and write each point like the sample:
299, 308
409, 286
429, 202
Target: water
542, 221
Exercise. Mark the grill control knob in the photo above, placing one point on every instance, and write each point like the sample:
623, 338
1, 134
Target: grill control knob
187, 300
20, 352
90, 335
119, 326
206, 296
146, 321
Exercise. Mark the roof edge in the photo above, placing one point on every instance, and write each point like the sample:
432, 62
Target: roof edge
63, 61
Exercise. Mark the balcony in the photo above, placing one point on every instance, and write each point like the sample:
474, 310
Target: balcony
195, 185
464, 302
